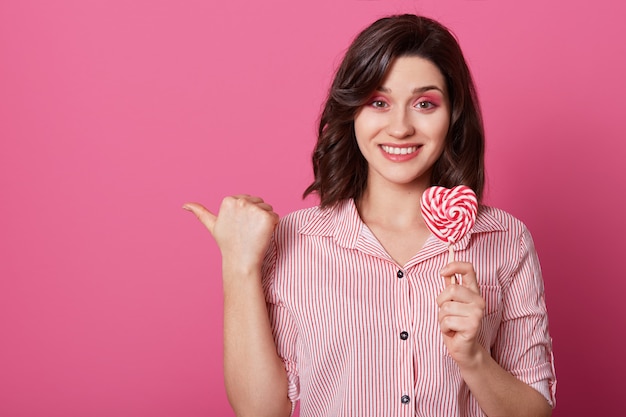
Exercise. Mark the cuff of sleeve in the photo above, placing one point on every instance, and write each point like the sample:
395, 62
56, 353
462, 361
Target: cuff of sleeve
293, 385
542, 378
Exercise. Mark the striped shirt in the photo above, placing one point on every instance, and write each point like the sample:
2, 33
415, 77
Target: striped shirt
359, 334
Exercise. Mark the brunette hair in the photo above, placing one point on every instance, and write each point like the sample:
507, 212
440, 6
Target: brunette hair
339, 168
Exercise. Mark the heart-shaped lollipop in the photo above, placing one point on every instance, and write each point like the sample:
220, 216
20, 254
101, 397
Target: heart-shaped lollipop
449, 213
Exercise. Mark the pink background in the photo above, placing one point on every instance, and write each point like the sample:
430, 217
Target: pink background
114, 113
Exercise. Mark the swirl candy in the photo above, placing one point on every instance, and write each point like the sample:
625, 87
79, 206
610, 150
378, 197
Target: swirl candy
449, 213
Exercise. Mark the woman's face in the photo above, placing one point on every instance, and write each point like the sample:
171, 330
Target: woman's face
401, 130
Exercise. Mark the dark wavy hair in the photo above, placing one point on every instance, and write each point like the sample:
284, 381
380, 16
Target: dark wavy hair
339, 168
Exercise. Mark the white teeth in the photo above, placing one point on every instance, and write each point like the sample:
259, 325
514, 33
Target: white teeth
398, 151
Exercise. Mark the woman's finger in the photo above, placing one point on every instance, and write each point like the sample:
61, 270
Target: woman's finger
266, 207
465, 270
458, 293
205, 216
248, 197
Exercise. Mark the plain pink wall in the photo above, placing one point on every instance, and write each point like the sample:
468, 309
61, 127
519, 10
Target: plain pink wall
115, 112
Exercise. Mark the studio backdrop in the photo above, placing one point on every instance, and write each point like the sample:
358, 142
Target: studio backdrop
113, 113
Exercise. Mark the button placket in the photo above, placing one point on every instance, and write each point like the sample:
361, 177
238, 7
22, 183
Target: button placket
404, 322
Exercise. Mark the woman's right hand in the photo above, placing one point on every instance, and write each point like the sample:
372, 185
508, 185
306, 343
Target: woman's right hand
254, 375
242, 229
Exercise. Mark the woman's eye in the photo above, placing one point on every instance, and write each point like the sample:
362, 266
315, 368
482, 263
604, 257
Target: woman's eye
379, 104
425, 105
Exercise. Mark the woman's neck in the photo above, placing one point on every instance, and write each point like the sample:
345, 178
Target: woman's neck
393, 207
394, 216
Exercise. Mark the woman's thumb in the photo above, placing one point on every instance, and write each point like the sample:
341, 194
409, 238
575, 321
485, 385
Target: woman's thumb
205, 216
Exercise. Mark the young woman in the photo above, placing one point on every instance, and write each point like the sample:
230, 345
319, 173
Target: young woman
348, 307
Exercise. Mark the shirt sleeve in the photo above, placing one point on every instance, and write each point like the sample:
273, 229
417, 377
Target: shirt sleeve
283, 327
523, 345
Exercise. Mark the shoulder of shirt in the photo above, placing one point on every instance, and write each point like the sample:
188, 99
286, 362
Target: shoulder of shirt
491, 219
312, 220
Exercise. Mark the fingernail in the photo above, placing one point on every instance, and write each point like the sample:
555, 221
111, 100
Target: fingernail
186, 207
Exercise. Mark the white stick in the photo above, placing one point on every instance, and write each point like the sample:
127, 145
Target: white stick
451, 259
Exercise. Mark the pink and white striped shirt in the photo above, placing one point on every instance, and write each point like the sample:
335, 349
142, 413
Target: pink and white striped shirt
359, 334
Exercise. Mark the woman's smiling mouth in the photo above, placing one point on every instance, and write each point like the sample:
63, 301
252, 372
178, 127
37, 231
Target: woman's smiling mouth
394, 150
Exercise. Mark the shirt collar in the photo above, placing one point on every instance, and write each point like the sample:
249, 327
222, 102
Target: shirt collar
344, 224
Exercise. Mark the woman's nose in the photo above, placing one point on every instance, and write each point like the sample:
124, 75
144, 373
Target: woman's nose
400, 124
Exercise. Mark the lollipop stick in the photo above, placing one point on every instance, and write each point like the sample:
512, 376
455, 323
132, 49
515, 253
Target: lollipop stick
451, 259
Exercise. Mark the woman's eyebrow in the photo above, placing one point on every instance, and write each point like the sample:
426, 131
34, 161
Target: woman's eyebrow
415, 90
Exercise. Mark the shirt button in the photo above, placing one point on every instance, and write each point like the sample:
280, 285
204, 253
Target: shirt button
404, 335
400, 274
405, 399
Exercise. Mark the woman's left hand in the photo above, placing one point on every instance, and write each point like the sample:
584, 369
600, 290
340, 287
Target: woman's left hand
461, 309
